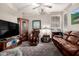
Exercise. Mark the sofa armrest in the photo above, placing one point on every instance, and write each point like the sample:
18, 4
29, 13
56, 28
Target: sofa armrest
76, 53
58, 36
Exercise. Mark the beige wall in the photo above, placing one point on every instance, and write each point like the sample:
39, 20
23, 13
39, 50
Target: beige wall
45, 21
8, 14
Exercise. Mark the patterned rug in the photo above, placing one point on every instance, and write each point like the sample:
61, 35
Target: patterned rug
42, 49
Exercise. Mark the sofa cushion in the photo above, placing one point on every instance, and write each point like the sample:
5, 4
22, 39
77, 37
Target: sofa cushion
58, 36
77, 43
60, 40
75, 33
68, 33
77, 53
70, 48
65, 36
73, 39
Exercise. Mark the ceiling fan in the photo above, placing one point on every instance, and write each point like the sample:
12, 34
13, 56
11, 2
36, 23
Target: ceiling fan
41, 5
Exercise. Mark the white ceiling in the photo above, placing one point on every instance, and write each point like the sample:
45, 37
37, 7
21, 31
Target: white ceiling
28, 7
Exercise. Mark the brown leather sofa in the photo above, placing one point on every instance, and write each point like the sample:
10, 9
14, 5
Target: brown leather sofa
68, 44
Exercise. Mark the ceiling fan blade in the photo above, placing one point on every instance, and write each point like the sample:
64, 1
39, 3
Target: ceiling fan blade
36, 7
48, 6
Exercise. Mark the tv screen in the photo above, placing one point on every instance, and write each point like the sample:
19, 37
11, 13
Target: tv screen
8, 29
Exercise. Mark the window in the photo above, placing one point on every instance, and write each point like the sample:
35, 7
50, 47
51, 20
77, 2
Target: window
55, 21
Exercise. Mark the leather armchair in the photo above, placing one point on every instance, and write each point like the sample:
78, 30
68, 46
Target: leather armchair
34, 38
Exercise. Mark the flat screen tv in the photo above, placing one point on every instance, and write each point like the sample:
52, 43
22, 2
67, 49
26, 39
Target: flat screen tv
8, 29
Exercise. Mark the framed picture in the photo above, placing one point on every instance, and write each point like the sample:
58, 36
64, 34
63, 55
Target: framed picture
75, 16
36, 24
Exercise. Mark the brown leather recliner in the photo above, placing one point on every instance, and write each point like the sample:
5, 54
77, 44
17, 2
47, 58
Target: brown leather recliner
68, 44
34, 38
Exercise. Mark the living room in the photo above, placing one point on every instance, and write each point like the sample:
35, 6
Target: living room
39, 29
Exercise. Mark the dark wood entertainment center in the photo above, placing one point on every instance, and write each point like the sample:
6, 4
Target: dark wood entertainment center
8, 32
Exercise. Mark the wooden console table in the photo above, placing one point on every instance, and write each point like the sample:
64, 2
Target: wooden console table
8, 43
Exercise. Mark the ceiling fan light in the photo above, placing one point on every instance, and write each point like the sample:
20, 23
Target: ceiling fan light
47, 3
35, 4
